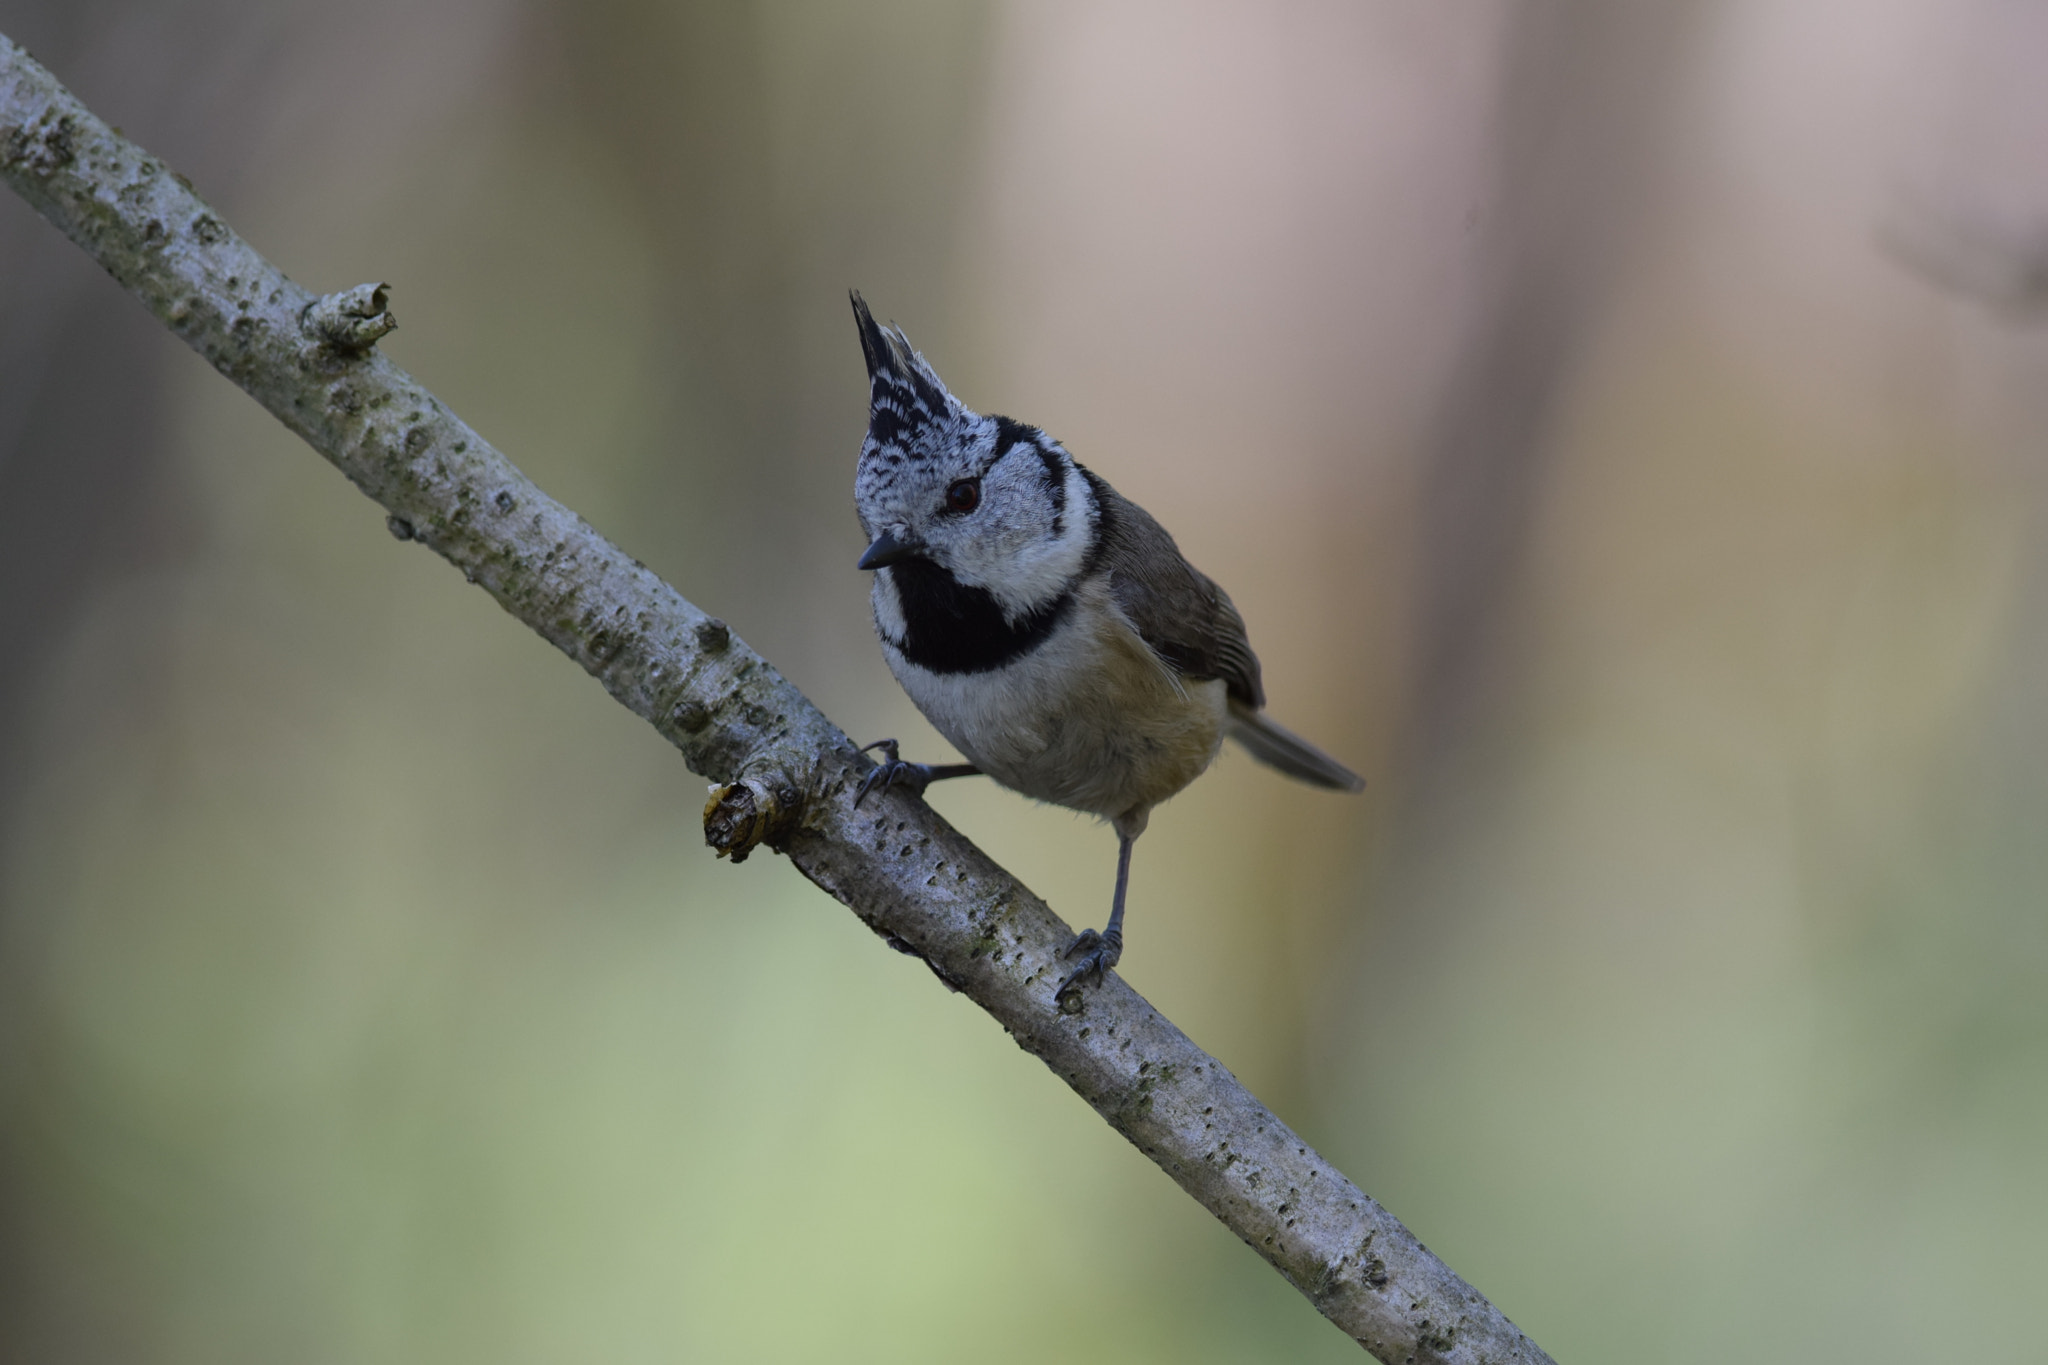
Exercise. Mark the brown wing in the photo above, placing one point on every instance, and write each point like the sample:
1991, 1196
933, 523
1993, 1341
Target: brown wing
1186, 619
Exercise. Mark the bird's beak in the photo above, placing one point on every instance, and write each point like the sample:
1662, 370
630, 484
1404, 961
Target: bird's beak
885, 551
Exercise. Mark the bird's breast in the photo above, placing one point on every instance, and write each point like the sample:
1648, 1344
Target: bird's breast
1084, 717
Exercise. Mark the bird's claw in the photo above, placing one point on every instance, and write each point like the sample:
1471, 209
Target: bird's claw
892, 771
1094, 954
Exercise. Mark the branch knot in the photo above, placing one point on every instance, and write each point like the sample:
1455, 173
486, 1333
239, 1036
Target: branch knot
352, 320
743, 815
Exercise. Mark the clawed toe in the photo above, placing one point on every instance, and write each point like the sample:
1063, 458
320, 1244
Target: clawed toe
883, 775
1092, 954
892, 771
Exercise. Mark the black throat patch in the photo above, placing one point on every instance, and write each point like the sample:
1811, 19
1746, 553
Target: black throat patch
949, 627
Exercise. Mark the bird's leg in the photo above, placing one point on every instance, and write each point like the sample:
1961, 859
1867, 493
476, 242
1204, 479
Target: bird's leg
892, 771
1096, 953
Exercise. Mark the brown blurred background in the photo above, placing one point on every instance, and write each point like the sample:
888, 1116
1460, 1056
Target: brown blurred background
1624, 427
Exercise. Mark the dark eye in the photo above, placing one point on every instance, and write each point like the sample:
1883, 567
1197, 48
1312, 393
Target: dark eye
963, 495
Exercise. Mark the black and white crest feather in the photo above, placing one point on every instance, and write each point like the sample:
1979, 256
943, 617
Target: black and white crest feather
911, 416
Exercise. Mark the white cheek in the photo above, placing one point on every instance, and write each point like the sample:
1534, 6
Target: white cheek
888, 608
1046, 566
1040, 574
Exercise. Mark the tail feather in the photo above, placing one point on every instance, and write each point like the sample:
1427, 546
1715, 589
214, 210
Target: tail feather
1280, 748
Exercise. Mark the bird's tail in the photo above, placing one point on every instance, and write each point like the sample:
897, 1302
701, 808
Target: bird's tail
1290, 753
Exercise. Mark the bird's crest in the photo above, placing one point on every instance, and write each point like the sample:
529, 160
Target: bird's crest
911, 414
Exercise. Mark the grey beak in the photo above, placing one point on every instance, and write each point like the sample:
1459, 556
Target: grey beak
885, 551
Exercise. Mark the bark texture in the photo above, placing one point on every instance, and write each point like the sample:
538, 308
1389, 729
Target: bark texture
786, 774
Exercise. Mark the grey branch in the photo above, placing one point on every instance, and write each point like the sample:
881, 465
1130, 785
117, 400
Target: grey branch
786, 773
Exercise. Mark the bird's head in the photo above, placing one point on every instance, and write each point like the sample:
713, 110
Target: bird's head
996, 504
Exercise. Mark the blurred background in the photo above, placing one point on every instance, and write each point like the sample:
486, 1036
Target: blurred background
1622, 426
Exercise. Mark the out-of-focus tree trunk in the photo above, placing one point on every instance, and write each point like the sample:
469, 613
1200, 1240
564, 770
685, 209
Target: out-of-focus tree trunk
1586, 87
707, 114
86, 493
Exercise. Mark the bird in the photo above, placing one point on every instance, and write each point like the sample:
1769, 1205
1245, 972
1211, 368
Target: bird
1045, 624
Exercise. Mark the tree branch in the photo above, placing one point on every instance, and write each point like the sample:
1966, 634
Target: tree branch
787, 773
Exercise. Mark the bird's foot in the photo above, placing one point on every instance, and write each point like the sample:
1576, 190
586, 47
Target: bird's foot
1092, 954
892, 771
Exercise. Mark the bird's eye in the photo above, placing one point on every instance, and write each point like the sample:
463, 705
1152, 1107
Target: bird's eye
963, 495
